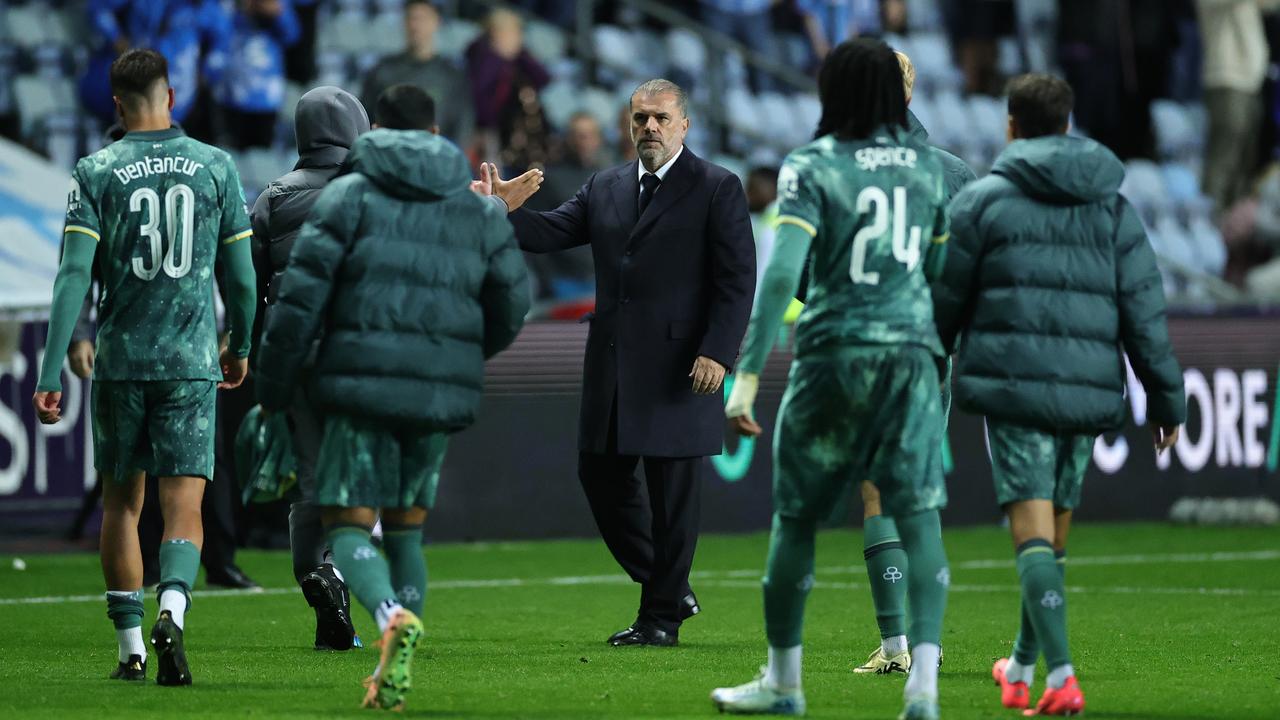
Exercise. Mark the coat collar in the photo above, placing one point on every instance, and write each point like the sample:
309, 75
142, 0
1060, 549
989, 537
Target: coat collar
626, 191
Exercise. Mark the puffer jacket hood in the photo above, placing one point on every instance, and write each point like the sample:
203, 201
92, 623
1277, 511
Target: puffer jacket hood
1061, 169
327, 122
410, 164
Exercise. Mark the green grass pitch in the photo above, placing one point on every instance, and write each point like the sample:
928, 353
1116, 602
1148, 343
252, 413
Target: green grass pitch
1165, 622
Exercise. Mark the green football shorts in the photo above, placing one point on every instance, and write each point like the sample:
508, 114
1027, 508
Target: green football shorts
164, 428
866, 413
1032, 464
370, 464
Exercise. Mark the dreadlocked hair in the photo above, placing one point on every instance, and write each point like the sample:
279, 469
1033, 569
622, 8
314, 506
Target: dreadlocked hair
860, 86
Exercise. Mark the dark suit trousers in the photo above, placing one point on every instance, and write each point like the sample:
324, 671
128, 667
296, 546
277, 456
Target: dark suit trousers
653, 539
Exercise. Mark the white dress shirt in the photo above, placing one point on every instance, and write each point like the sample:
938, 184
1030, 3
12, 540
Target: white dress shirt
660, 172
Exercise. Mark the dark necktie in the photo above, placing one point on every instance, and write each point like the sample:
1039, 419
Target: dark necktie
648, 184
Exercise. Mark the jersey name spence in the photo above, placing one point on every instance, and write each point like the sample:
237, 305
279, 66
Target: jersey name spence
159, 204
876, 208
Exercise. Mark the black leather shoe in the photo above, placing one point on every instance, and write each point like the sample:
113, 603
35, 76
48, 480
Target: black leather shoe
621, 634
230, 577
645, 634
689, 606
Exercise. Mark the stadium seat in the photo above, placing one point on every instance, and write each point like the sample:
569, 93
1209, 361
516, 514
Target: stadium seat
1211, 252
559, 101
545, 41
389, 6
1182, 187
741, 110
37, 97
776, 105
1009, 58
333, 68
1144, 185
613, 46
50, 61
388, 27
454, 37
1177, 136
345, 31
359, 7
686, 52
56, 136
931, 54
26, 25
924, 15
990, 122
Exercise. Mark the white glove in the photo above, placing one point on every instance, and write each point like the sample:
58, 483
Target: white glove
743, 395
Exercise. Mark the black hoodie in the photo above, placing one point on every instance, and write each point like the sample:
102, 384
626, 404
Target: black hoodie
327, 122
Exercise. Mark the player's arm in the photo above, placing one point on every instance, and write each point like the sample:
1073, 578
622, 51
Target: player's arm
1144, 330
953, 290
69, 290
935, 256
296, 316
240, 284
777, 288
504, 296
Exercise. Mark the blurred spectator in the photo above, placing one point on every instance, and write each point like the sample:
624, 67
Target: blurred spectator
300, 58
1251, 232
1118, 55
749, 22
569, 274
191, 34
975, 27
830, 22
1235, 65
252, 89
762, 196
505, 80
419, 65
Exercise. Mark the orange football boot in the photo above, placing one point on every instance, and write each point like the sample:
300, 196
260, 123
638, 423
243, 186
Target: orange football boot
1066, 700
1014, 695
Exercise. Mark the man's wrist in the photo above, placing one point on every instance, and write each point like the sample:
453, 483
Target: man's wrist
743, 395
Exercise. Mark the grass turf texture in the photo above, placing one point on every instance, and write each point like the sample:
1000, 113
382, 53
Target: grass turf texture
510, 635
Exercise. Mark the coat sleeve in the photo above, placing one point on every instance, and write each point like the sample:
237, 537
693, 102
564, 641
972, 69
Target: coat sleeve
260, 221
733, 273
955, 291
552, 230
298, 313
505, 293
1143, 327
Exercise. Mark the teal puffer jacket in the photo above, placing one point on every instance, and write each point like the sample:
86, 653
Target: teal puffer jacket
1049, 281
415, 280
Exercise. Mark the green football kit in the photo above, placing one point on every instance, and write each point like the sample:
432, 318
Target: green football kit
155, 210
862, 399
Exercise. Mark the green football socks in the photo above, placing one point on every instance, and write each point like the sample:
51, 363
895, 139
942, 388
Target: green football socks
1044, 600
1025, 648
125, 610
365, 571
403, 544
929, 575
788, 579
887, 572
179, 564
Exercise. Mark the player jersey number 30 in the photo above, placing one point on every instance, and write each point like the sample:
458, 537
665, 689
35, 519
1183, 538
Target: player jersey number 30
177, 210
906, 245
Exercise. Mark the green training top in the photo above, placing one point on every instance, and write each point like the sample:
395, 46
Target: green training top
162, 208
875, 211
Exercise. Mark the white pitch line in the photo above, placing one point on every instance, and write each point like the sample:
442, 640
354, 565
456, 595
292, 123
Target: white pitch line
747, 578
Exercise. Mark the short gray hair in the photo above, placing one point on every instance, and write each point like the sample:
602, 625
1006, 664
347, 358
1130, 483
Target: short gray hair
658, 86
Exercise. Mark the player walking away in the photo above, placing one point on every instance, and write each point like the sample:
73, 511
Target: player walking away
163, 208
416, 281
884, 555
862, 400
328, 120
1049, 279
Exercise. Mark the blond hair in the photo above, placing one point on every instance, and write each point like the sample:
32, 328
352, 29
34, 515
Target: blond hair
908, 73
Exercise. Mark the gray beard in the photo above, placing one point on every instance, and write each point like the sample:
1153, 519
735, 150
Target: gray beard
654, 157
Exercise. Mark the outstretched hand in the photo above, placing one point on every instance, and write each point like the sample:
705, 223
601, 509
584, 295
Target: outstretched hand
513, 192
